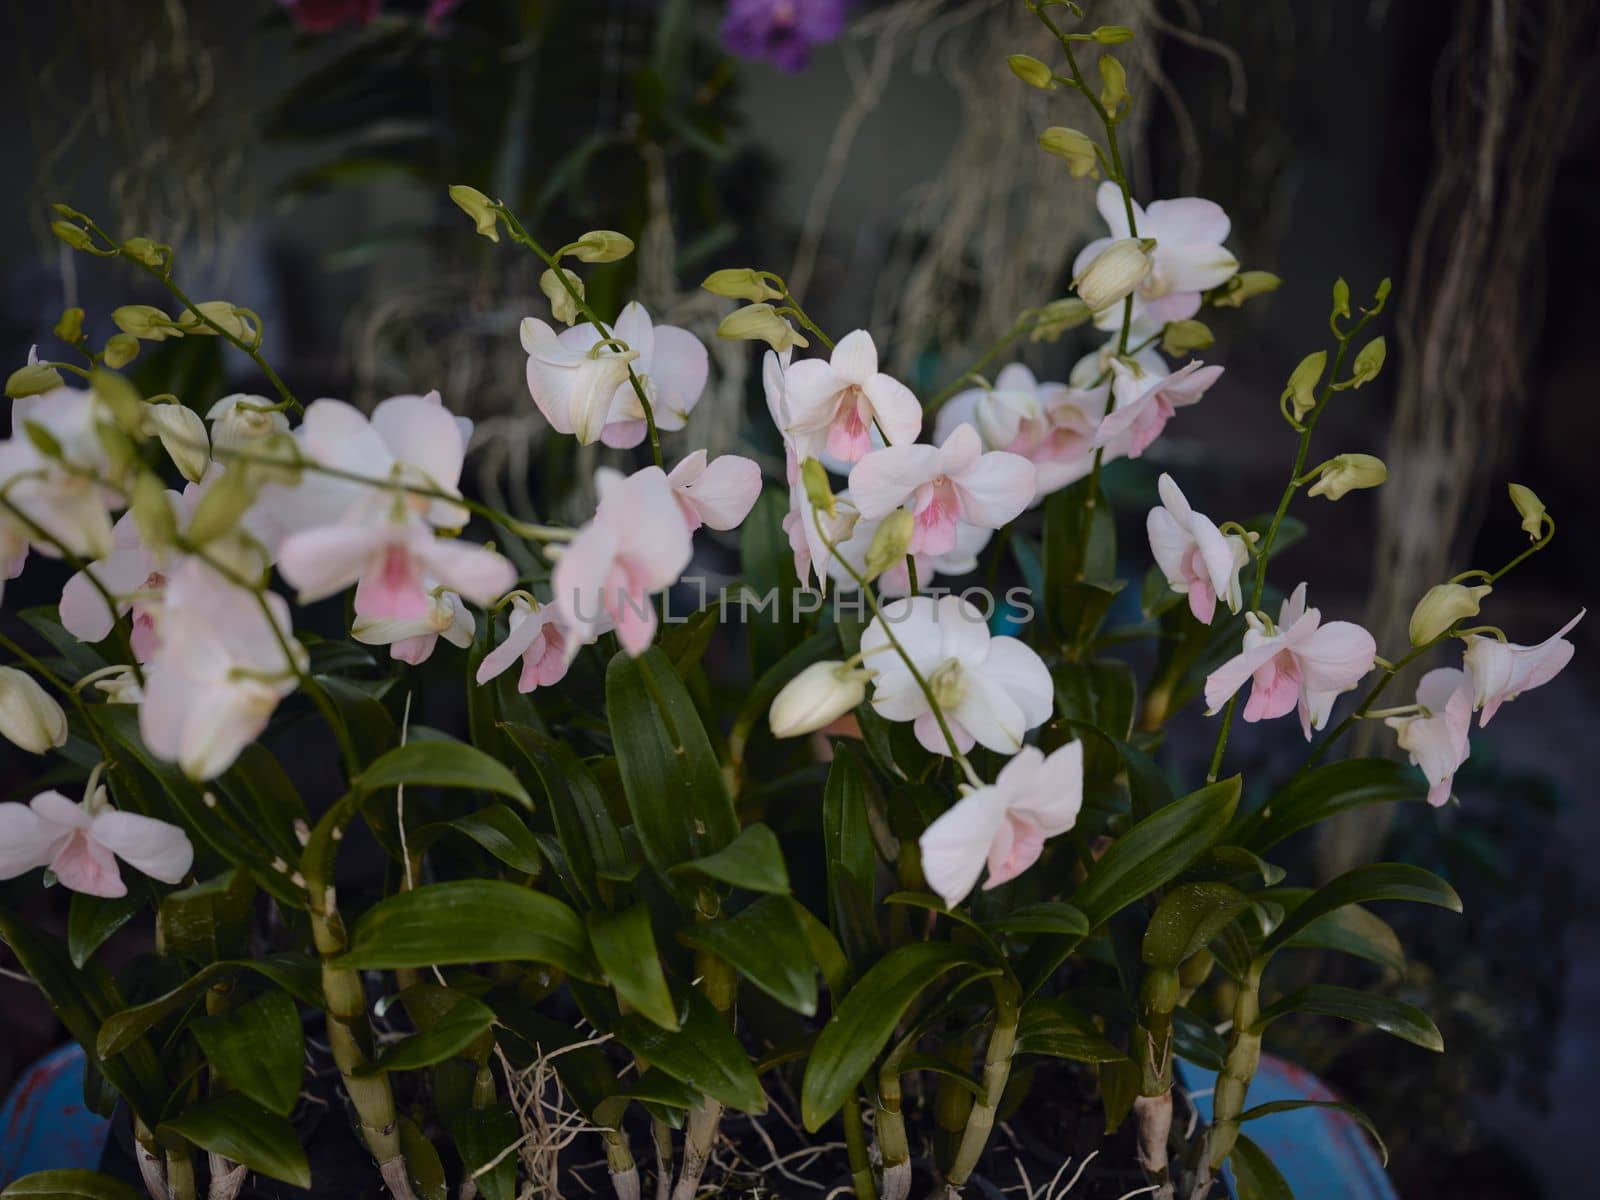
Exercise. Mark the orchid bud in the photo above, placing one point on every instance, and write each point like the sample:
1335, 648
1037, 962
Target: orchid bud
1530, 508
818, 491
221, 506
1341, 298
121, 399
600, 246
1441, 607
1369, 362
73, 235
147, 252
890, 542
562, 304
1031, 71
120, 686
32, 380
152, 514
1059, 316
70, 327
183, 437
760, 323
121, 349
1348, 473
1302, 390
1246, 285
816, 698
239, 420
29, 718
1077, 148
1181, 337
740, 283
1113, 84
144, 321
1115, 272
485, 220
1111, 35
210, 316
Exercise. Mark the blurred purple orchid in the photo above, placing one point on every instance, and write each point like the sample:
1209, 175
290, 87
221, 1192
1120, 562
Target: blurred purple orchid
325, 16
782, 31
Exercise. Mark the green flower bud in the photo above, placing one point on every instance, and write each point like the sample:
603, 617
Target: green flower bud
1113, 84
121, 349
121, 398
562, 304
600, 246
889, 543
43, 440
1302, 390
479, 207
147, 252
1341, 298
1530, 508
1244, 286
73, 235
1369, 362
815, 477
740, 283
70, 327
144, 321
1111, 35
32, 379
1441, 607
221, 506
219, 314
152, 512
760, 323
1059, 316
183, 437
1181, 337
1031, 71
1075, 147
1348, 473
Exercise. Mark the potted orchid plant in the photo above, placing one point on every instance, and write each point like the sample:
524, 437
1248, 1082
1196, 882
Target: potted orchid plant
910, 861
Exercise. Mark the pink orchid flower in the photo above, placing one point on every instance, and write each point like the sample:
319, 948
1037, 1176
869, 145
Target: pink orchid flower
1197, 559
834, 406
1144, 404
1049, 424
719, 493
1436, 737
1189, 258
813, 547
412, 640
537, 638
81, 843
586, 391
59, 503
219, 670
380, 539
962, 559
991, 690
1301, 663
1005, 824
943, 486
636, 545
1502, 671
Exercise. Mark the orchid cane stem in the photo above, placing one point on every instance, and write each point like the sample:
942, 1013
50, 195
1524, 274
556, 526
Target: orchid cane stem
996, 1071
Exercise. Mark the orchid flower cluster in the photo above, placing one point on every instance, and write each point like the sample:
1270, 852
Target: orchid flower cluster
982, 775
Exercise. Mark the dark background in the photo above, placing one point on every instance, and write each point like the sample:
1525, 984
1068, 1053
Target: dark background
303, 175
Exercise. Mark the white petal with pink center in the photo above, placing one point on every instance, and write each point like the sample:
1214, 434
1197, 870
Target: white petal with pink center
1004, 825
1197, 559
412, 640
1189, 258
991, 690
1299, 664
81, 842
637, 544
1145, 404
132, 574
1436, 737
834, 406
718, 493
1502, 671
943, 486
536, 638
